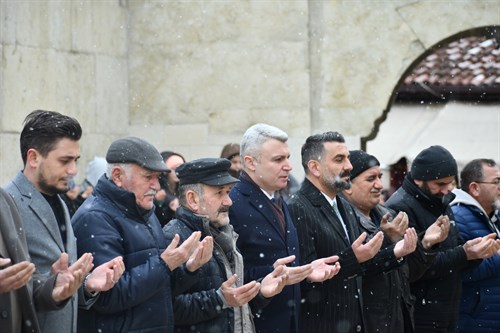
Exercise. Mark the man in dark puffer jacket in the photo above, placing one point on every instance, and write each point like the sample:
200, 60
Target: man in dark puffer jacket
218, 301
425, 196
387, 301
118, 220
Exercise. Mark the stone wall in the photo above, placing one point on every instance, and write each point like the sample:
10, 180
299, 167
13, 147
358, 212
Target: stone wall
67, 56
192, 76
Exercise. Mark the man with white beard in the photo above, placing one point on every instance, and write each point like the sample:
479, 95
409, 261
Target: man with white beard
476, 213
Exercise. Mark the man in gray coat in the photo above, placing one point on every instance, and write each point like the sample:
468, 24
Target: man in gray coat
21, 292
50, 149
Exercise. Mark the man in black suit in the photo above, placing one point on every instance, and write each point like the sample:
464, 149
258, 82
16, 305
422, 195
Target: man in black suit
266, 232
327, 224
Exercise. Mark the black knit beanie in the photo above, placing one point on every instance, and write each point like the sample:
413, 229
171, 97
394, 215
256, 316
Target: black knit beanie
361, 162
435, 162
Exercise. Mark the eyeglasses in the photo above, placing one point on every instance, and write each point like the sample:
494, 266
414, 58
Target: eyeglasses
496, 182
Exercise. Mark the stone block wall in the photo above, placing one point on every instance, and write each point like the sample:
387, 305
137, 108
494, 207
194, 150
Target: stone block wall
191, 76
66, 56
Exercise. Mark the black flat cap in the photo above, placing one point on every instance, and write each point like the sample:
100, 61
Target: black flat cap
131, 149
209, 171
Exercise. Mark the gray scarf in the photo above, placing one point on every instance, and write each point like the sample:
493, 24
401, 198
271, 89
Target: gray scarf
225, 243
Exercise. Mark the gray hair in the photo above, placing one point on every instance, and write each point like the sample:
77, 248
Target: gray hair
474, 172
127, 170
183, 189
256, 135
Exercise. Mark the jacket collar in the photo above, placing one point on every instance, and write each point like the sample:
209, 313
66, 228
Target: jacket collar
438, 206
193, 221
43, 211
317, 199
124, 200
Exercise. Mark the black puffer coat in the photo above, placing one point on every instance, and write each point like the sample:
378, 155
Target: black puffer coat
438, 290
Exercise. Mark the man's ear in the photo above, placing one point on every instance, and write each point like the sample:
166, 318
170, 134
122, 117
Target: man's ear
348, 192
314, 168
474, 189
192, 201
33, 157
118, 176
249, 162
419, 182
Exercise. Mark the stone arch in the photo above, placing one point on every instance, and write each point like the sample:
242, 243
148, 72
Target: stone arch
491, 31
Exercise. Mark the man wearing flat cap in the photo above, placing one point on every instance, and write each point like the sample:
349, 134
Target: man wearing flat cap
387, 300
218, 301
118, 220
425, 196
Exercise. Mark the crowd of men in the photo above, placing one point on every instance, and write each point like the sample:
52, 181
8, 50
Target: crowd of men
161, 244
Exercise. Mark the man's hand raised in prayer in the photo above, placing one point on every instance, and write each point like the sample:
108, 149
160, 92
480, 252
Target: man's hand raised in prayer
15, 276
323, 269
105, 276
394, 229
436, 232
175, 255
69, 278
407, 245
365, 252
482, 247
238, 296
295, 274
201, 255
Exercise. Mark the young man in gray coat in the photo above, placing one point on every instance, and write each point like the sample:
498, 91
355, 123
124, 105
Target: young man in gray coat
50, 149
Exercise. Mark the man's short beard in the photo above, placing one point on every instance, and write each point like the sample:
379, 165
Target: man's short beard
341, 185
337, 183
496, 204
425, 188
46, 188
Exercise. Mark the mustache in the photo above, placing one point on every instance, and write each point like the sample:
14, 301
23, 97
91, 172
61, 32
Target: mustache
150, 192
223, 209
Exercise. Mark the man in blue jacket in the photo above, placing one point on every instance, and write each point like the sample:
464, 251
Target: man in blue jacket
265, 228
476, 208
118, 220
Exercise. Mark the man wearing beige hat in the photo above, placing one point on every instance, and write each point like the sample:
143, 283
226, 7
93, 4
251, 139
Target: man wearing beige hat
118, 220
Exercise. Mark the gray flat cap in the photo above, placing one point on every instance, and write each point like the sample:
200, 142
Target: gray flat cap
131, 149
